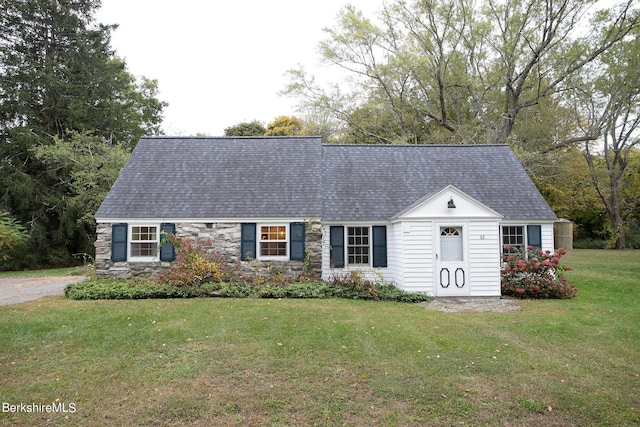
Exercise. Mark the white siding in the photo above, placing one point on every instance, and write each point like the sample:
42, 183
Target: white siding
547, 237
484, 258
483, 255
395, 261
418, 256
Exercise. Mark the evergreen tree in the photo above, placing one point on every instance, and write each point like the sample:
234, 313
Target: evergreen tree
59, 77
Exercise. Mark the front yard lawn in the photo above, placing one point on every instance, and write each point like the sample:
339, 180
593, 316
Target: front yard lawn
301, 362
66, 271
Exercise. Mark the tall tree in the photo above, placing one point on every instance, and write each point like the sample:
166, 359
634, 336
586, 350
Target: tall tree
459, 70
540, 48
58, 74
607, 104
85, 166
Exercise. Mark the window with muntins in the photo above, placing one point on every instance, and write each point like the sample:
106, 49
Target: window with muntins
144, 241
513, 236
451, 246
273, 240
358, 245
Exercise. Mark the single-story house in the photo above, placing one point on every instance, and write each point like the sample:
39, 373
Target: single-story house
428, 218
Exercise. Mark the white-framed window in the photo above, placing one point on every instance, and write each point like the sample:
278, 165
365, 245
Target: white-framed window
358, 248
143, 242
273, 241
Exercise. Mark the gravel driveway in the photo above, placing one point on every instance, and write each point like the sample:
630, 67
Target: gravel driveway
15, 290
472, 305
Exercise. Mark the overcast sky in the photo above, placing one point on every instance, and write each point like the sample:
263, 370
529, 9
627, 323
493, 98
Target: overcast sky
219, 63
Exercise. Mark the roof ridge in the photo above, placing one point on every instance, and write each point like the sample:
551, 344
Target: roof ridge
415, 145
230, 137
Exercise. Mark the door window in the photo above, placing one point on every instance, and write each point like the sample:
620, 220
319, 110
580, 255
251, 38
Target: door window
451, 243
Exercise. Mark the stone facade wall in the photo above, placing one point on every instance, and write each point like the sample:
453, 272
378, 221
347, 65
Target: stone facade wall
123, 269
222, 238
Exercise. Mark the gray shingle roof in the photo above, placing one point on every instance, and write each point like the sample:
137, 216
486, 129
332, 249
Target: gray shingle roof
372, 182
283, 177
218, 178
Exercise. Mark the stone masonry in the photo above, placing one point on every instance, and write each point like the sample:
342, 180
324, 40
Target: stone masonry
222, 238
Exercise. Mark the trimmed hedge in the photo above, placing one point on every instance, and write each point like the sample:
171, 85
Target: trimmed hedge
131, 289
121, 289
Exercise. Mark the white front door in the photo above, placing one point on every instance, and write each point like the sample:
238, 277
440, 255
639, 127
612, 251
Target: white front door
452, 275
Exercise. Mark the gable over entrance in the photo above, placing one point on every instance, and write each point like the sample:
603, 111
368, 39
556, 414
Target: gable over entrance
459, 232
449, 202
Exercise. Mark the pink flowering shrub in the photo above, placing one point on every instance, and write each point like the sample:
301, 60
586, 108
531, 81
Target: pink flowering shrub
535, 274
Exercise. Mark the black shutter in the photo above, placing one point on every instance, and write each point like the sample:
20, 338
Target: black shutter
119, 234
379, 246
167, 251
296, 233
534, 236
336, 241
247, 241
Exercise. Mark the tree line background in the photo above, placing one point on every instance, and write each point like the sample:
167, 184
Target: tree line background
558, 81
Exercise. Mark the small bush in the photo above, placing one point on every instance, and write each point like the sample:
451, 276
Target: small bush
535, 274
235, 290
271, 291
275, 277
209, 289
310, 290
121, 289
194, 265
387, 292
355, 285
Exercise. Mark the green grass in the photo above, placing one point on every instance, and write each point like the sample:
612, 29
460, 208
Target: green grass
67, 271
332, 362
